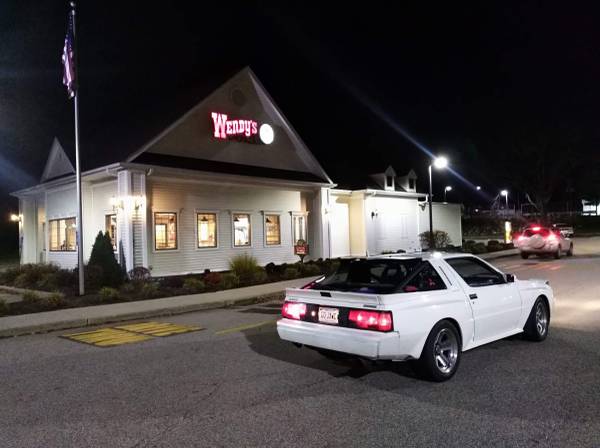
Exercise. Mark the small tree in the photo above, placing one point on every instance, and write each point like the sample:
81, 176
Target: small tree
441, 239
104, 258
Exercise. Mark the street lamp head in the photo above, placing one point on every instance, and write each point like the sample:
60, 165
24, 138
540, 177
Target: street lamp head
478, 187
504, 192
448, 188
440, 162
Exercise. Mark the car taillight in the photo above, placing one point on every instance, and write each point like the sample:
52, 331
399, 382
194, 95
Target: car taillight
371, 320
536, 228
293, 310
521, 238
551, 237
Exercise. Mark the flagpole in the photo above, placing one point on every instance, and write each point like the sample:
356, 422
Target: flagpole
77, 163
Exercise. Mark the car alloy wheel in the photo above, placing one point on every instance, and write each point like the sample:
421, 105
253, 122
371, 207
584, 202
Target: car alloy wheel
541, 318
445, 350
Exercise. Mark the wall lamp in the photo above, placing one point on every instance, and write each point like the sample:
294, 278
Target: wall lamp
135, 202
16, 218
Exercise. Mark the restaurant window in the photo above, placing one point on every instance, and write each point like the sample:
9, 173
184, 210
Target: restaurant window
110, 227
207, 229
165, 231
242, 235
299, 227
272, 230
62, 235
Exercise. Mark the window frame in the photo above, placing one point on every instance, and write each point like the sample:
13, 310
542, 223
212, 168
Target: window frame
482, 263
296, 215
165, 212
251, 232
217, 231
265, 241
50, 221
106, 215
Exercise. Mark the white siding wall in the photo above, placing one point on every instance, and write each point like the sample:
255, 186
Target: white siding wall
62, 203
186, 199
446, 217
391, 224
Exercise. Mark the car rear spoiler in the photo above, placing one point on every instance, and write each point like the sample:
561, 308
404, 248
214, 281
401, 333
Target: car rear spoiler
347, 299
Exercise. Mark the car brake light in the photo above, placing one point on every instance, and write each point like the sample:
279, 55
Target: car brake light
536, 228
371, 320
521, 238
293, 310
551, 237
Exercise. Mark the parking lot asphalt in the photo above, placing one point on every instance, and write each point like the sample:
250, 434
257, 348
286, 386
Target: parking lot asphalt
234, 383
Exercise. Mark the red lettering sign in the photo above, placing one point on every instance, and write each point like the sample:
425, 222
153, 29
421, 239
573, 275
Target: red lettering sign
225, 128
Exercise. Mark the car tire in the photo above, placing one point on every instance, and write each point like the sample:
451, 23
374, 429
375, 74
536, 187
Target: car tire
538, 322
558, 253
524, 255
441, 353
570, 251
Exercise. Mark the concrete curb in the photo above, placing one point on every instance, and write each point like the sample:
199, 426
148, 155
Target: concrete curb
143, 309
499, 254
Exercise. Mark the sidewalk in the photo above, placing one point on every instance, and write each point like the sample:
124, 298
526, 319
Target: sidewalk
143, 309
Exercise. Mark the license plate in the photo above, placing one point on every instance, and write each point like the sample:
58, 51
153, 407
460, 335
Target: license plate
329, 315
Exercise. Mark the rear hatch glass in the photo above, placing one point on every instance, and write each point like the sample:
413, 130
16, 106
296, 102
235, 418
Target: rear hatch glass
375, 276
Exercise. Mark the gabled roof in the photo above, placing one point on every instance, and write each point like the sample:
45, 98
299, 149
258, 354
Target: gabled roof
57, 164
189, 141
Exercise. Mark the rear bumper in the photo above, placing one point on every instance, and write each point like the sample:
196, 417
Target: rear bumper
364, 343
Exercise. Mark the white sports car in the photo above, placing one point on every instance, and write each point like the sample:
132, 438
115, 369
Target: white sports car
425, 307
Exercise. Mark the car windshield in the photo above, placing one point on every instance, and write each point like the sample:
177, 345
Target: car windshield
375, 276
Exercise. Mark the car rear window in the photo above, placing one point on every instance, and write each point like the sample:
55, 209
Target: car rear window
375, 276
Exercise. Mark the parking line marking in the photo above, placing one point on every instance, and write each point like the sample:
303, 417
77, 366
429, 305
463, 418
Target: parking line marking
245, 327
106, 337
159, 329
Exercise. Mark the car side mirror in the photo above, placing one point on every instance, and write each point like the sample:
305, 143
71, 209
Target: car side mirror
510, 278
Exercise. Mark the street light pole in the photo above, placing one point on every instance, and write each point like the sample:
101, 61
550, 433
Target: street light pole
439, 163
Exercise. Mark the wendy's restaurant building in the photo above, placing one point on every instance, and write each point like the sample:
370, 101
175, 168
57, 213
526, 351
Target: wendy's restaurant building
230, 176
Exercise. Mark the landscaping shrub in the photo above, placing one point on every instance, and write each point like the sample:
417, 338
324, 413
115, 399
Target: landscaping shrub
30, 298
103, 256
49, 282
213, 279
130, 288
440, 239
290, 273
54, 301
107, 294
271, 269
3, 307
311, 269
23, 280
478, 248
149, 290
174, 282
230, 280
93, 277
193, 285
260, 276
139, 273
493, 246
244, 266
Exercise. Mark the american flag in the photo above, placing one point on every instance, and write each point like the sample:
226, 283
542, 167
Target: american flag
68, 59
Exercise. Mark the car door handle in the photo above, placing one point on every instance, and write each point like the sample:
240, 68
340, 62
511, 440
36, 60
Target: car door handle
472, 296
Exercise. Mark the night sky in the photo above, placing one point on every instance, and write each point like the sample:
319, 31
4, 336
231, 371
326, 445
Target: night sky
463, 80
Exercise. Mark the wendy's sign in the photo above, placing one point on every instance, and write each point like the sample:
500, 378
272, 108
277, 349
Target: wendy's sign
225, 128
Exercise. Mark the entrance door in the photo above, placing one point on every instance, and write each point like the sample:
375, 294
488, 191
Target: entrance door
496, 304
340, 230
